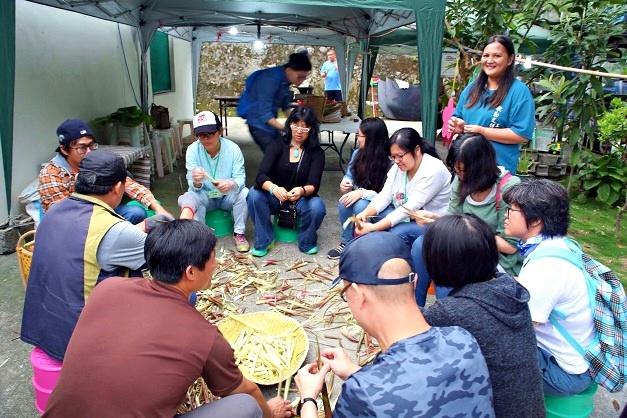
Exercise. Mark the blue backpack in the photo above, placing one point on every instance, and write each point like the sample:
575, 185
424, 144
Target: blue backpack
606, 353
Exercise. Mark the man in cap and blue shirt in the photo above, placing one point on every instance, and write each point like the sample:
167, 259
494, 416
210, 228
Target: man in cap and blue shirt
216, 176
56, 179
422, 371
80, 242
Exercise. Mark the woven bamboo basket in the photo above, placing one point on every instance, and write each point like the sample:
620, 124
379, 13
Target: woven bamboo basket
268, 324
24, 249
316, 103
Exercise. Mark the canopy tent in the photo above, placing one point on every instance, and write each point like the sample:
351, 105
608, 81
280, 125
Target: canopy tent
338, 23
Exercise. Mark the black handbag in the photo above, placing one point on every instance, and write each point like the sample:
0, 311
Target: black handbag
287, 216
287, 210
161, 115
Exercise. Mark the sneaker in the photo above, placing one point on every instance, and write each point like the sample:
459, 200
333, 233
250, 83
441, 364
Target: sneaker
335, 253
241, 243
260, 253
312, 251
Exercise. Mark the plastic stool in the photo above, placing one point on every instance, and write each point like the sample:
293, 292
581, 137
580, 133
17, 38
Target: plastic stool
149, 212
284, 234
221, 221
576, 406
160, 157
46, 371
167, 135
182, 123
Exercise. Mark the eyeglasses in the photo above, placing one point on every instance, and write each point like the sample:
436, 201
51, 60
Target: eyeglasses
396, 158
344, 291
82, 149
300, 129
513, 210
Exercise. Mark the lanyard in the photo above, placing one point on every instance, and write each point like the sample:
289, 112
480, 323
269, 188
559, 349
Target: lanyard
215, 167
405, 194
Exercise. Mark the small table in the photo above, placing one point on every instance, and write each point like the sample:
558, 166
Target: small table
136, 159
225, 102
347, 126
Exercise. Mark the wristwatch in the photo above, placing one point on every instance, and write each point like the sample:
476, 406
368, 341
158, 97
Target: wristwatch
302, 402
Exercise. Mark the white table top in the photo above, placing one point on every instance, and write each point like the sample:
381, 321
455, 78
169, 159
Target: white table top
346, 125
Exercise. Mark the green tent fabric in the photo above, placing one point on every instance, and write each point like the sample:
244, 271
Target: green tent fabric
7, 69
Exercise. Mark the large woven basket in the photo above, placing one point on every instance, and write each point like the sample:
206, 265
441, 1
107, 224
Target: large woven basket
268, 324
24, 250
316, 103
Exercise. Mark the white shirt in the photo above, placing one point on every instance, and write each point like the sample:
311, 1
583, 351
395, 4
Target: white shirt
554, 283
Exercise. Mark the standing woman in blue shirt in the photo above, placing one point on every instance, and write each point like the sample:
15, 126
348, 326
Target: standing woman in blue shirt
497, 105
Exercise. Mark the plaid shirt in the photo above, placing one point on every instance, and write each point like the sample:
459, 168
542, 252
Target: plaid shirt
57, 182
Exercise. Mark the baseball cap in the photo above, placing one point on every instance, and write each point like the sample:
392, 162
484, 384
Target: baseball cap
71, 130
101, 168
206, 122
363, 257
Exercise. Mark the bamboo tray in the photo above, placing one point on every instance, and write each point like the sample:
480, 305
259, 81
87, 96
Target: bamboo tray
267, 324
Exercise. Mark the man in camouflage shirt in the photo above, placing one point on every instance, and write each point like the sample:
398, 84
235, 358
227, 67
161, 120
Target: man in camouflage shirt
422, 371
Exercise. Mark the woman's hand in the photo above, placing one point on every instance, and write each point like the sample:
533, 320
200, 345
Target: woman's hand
346, 186
474, 129
350, 198
295, 194
455, 125
224, 185
280, 193
198, 175
362, 228
423, 215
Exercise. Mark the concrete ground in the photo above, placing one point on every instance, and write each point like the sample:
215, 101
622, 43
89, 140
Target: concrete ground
16, 390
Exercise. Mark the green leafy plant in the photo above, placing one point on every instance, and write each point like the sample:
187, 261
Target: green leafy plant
613, 126
126, 116
524, 163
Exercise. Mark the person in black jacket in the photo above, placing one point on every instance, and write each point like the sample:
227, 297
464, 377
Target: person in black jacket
461, 253
290, 174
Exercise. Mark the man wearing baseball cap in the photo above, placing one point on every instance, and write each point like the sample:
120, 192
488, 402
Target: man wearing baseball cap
80, 242
216, 176
422, 371
56, 179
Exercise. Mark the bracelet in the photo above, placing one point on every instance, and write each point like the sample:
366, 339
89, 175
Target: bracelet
274, 186
304, 191
303, 401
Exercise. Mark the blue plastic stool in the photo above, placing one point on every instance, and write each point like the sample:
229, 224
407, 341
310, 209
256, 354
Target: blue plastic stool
284, 234
149, 212
576, 406
221, 221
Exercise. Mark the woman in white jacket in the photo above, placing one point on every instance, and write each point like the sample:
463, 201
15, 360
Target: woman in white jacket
417, 180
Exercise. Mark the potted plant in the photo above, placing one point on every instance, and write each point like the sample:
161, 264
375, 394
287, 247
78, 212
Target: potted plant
525, 162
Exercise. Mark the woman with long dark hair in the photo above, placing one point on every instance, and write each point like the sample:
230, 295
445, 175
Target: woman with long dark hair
417, 180
478, 189
365, 176
290, 172
497, 105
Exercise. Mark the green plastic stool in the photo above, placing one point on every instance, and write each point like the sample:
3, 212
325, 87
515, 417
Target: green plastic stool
221, 221
149, 212
284, 234
576, 406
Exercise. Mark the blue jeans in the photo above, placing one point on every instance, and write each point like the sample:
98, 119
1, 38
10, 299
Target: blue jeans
424, 280
261, 205
556, 381
357, 207
133, 214
408, 231
263, 138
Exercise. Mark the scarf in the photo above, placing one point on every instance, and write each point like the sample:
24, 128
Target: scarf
525, 248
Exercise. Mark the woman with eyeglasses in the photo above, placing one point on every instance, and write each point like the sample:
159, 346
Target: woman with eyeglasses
478, 188
290, 172
364, 178
417, 180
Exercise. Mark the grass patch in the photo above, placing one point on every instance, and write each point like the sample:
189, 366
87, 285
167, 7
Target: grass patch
592, 225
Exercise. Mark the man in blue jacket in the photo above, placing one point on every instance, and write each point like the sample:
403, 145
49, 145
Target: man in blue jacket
266, 92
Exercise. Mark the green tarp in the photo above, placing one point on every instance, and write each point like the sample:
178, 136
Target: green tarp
7, 79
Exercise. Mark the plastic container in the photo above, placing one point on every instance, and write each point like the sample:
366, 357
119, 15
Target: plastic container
149, 212
283, 234
221, 221
46, 371
577, 406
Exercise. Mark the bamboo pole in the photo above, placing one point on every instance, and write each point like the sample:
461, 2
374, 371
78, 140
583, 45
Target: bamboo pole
571, 69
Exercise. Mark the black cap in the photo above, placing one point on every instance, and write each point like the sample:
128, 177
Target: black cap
363, 257
101, 168
71, 130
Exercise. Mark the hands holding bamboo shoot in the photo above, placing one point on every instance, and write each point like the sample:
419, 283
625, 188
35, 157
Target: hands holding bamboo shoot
280, 407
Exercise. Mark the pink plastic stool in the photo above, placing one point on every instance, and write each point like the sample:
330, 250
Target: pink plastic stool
46, 371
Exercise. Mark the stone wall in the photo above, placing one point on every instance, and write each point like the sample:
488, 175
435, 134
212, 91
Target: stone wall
225, 66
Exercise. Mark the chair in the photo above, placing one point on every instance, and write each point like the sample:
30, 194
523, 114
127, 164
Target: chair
167, 135
136, 136
576, 406
161, 160
46, 371
284, 234
182, 123
221, 221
